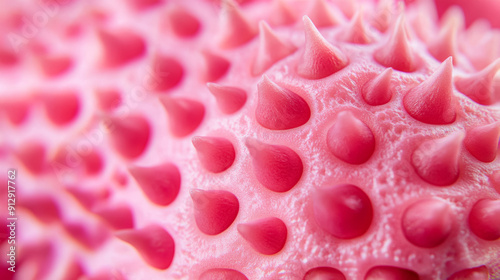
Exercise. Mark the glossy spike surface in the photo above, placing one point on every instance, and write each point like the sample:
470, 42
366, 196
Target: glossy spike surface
480, 86
160, 183
344, 211
391, 272
130, 135
222, 274
184, 115
378, 91
216, 154
266, 235
229, 99
483, 219
214, 210
482, 141
324, 273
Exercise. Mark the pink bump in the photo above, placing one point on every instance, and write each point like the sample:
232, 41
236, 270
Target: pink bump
356, 31
432, 101
236, 30
391, 273
278, 168
216, 154
167, 73
129, 135
397, 52
320, 59
344, 211
229, 99
214, 210
184, 115
222, 274
427, 223
445, 43
479, 86
476, 273
279, 108
62, 107
378, 91
350, 139
267, 235
155, 245
483, 219
437, 161
321, 15
271, 49
324, 273
482, 142
183, 23
160, 183
55, 65
216, 66
120, 48
119, 217
32, 156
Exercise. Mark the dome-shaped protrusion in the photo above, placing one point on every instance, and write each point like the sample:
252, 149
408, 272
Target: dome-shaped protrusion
271, 49
183, 23
166, 73
229, 99
378, 91
321, 15
356, 31
475, 273
222, 274
61, 107
344, 211
215, 66
235, 28
55, 65
118, 217
432, 101
437, 161
216, 154
184, 115
277, 167
160, 183
482, 142
391, 272
350, 139
281, 13
279, 108
397, 52
479, 86
483, 219
32, 155
324, 273
267, 235
383, 15
154, 244
129, 135
214, 210
320, 59
445, 43
427, 223
120, 48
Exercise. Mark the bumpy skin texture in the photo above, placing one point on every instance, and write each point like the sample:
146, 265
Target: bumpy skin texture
334, 140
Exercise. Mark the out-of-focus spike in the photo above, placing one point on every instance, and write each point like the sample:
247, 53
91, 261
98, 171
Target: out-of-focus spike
183, 23
155, 244
320, 59
129, 135
267, 235
236, 30
120, 48
214, 210
482, 142
271, 49
437, 161
216, 154
445, 44
397, 52
281, 14
356, 31
378, 91
166, 73
160, 183
479, 86
229, 99
279, 108
184, 115
321, 15
432, 101
215, 66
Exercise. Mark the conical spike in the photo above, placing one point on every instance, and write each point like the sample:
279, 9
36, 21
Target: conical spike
183, 23
433, 101
154, 244
229, 99
279, 108
129, 135
483, 219
185, 115
235, 27
479, 86
482, 142
216, 66
350, 139
121, 48
321, 15
437, 161
277, 168
160, 183
271, 49
356, 32
267, 235
216, 154
222, 273
320, 59
378, 91
282, 15
397, 52
391, 272
166, 73
214, 210
445, 44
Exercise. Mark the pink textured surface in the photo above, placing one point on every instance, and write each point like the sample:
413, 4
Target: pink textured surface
204, 140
